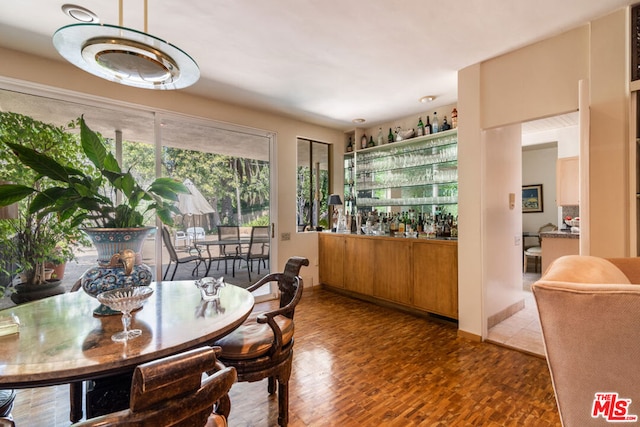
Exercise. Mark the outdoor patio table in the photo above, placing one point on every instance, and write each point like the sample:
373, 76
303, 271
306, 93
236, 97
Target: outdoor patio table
209, 243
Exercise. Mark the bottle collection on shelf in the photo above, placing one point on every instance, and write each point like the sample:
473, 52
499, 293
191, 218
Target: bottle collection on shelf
403, 224
421, 129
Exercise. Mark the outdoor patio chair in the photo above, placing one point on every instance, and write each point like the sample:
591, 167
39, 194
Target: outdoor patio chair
182, 239
194, 256
232, 251
195, 234
258, 248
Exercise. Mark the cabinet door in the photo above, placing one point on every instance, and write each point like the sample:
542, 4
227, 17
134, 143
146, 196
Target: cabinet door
359, 271
392, 270
435, 273
330, 259
567, 181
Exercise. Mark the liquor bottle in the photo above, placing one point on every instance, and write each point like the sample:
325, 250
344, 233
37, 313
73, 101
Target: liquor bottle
396, 136
454, 118
445, 125
427, 127
401, 226
363, 141
371, 144
380, 137
420, 128
435, 127
390, 136
349, 146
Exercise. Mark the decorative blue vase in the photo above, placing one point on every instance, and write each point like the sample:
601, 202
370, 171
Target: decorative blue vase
119, 262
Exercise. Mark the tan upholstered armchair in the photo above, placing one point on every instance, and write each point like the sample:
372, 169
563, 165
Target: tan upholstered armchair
590, 317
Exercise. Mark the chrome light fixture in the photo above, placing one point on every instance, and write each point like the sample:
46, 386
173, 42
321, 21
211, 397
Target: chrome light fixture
126, 56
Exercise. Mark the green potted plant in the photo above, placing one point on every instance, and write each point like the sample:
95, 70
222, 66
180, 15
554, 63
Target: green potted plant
98, 194
29, 237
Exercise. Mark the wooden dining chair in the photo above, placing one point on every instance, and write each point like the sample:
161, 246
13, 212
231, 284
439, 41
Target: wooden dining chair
171, 392
7, 397
177, 260
262, 347
535, 252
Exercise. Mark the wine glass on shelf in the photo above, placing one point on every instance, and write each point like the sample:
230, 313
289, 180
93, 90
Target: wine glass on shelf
126, 300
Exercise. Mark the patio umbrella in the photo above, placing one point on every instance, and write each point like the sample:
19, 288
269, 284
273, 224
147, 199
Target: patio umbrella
194, 203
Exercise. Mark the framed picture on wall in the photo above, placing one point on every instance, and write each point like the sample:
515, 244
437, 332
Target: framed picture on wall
532, 198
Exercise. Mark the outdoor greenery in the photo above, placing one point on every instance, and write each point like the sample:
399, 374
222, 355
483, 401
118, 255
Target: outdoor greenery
306, 198
31, 240
63, 181
232, 185
100, 193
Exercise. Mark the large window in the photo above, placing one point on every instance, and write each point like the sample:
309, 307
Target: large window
229, 165
313, 185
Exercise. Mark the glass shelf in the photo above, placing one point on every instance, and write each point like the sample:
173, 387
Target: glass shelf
420, 173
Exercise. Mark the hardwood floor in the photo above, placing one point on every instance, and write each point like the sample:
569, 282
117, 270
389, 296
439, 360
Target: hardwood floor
357, 364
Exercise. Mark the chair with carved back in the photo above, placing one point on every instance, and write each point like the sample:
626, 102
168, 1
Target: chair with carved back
262, 347
7, 398
170, 392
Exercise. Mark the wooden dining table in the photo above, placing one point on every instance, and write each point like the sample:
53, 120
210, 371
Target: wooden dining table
60, 341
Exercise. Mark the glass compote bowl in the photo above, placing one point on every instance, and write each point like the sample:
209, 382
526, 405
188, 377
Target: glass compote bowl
126, 300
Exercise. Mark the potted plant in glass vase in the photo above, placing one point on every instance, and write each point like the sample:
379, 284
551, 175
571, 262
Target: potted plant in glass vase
105, 201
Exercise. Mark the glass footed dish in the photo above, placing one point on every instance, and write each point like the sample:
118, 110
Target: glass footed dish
126, 300
210, 287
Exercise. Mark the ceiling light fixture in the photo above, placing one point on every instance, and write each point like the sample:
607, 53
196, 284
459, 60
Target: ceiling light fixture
358, 121
80, 13
426, 99
126, 56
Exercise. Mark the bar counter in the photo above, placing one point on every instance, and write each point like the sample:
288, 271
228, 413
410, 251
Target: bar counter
556, 244
412, 274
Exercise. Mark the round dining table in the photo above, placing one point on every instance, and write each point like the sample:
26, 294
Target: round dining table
60, 341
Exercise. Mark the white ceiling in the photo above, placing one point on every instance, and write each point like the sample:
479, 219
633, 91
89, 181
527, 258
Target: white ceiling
323, 61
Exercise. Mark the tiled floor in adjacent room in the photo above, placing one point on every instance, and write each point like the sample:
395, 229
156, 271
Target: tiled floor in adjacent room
522, 330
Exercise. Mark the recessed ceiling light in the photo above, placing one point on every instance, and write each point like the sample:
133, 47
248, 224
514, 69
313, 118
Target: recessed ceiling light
358, 121
426, 99
80, 13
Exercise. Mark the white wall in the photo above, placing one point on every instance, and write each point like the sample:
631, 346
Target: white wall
64, 78
502, 234
539, 167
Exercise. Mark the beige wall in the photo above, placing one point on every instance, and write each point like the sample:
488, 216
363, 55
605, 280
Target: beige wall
470, 203
64, 77
537, 81
609, 148
502, 225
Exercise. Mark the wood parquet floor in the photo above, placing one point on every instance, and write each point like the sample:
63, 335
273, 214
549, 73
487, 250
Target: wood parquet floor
357, 364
